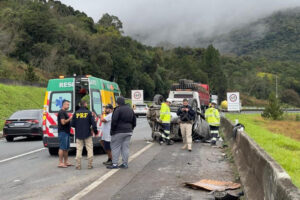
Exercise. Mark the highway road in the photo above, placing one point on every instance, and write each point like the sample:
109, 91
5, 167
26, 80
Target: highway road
155, 171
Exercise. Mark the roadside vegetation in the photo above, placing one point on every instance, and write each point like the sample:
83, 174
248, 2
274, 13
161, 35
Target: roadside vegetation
48, 38
15, 98
279, 138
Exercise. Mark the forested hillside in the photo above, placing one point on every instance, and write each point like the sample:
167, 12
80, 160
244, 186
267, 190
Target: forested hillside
44, 39
275, 37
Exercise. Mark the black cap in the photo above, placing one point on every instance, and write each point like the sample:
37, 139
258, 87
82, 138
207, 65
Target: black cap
120, 101
109, 106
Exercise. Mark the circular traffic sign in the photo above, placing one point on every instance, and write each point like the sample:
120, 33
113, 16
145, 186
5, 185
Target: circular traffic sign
233, 98
137, 95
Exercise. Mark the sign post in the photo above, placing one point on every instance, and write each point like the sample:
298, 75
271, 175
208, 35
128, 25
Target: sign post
233, 100
137, 97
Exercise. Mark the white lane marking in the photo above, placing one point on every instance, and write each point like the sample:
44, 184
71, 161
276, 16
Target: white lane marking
21, 155
96, 183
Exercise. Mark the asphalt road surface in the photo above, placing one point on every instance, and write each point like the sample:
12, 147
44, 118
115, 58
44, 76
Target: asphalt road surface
155, 171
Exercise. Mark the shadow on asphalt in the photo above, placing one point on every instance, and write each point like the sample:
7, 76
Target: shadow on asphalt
26, 139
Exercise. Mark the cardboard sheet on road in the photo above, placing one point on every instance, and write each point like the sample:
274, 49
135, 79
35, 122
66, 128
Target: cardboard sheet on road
213, 185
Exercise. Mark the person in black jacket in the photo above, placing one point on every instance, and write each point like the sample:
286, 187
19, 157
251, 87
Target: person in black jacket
187, 116
122, 124
82, 122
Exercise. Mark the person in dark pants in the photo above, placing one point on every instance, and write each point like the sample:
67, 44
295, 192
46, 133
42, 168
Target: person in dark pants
212, 117
106, 137
82, 121
165, 120
122, 125
63, 122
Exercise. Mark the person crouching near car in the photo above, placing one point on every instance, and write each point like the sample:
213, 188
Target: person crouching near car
187, 116
122, 124
106, 137
82, 121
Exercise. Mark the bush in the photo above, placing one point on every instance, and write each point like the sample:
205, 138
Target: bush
30, 74
290, 97
273, 110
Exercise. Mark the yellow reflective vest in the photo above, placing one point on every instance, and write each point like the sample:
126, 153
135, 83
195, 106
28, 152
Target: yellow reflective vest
165, 114
212, 117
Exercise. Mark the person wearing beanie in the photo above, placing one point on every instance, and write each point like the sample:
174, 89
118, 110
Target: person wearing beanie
122, 124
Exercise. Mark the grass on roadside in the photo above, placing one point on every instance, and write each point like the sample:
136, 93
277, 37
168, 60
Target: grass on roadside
13, 98
283, 149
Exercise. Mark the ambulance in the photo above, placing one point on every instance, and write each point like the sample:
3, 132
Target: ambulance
97, 91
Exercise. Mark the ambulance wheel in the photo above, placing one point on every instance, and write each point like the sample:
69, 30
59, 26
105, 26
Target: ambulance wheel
9, 138
53, 151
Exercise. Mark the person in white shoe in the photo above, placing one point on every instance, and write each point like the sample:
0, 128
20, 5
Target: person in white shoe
106, 137
212, 117
187, 116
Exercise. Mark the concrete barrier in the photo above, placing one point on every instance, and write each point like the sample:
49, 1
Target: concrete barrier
261, 176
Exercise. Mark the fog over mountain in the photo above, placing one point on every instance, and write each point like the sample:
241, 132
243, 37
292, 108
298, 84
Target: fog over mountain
181, 22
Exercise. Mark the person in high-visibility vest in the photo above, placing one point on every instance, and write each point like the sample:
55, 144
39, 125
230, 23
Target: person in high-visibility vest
212, 117
165, 119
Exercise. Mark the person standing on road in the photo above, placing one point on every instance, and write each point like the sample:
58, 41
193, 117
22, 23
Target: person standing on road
212, 117
106, 137
63, 122
165, 119
122, 124
82, 121
187, 116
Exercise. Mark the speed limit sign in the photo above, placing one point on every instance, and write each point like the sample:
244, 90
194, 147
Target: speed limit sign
137, 96
233, 100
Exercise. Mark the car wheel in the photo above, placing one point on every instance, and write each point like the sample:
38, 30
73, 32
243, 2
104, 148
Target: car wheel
53, 151
158, 99
9, 138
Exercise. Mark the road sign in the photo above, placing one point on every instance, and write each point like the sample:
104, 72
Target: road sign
233, 99
137, 96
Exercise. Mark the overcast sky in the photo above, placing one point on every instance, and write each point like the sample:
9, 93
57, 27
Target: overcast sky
180, 22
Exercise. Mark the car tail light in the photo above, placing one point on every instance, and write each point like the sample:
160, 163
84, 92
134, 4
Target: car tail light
33, 121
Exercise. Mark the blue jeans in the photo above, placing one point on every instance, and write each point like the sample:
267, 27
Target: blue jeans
64, 140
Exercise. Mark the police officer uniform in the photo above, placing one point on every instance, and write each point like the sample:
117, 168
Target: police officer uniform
82, 122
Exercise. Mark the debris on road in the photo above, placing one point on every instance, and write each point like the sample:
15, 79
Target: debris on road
213, 185
227, 195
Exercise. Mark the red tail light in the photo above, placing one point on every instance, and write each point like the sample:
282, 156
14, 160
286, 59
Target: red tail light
33, 121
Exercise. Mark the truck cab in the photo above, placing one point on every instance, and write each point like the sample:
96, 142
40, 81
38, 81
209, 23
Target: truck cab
178, 95
198, 96
97, 92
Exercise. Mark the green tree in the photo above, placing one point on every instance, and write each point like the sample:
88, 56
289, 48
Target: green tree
216, 77
110, 21
273, 110
30, 74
